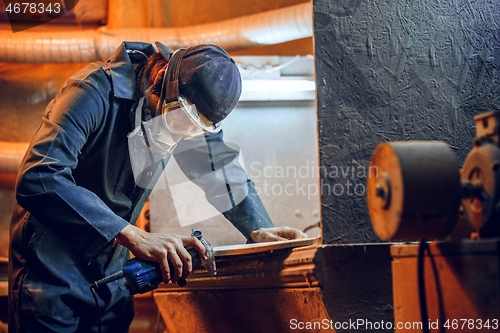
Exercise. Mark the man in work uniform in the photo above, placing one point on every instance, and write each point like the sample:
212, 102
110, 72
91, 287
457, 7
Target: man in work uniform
80, 189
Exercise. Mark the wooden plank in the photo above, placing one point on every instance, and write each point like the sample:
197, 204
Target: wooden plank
283, 267
239, 249
464, 247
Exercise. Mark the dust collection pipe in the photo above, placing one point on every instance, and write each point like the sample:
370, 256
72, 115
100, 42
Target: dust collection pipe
11, 155
267, 28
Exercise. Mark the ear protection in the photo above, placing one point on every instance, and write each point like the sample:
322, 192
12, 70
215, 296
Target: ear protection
170, 86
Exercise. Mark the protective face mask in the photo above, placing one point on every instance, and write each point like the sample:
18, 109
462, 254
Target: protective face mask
159, 139
148, 144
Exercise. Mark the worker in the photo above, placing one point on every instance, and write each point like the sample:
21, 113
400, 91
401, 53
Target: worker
84, 181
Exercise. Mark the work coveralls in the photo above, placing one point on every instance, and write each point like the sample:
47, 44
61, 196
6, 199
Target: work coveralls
76, 191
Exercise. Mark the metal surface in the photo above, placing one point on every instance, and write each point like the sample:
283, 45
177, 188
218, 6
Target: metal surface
413, 190
208, 263
481, 170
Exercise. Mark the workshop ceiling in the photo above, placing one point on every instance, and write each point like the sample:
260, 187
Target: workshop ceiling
125, 14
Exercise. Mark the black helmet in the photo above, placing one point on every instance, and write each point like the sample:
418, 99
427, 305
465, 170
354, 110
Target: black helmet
206, 75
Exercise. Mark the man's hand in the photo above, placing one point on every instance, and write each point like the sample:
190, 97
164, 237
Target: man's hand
162, 248
276, 234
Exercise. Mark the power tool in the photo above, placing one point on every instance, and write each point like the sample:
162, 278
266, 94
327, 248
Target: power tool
142, 276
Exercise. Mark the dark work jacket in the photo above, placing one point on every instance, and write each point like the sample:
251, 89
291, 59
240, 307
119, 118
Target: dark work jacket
76, 192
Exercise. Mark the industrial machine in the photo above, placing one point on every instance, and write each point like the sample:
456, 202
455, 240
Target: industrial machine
417, 191
449, 281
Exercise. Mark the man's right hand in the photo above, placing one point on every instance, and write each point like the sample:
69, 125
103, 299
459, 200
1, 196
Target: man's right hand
162, 248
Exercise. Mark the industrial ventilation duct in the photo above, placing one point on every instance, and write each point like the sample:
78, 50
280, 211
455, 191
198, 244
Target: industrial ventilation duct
11, 155
267, 28
272, 27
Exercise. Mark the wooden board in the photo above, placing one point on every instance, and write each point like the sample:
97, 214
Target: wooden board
239, 249
291, 267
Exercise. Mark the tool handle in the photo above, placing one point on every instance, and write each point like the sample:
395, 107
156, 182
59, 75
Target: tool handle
142, 276
195, 257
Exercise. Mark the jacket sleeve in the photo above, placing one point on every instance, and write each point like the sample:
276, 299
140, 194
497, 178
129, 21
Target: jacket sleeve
45, 185
213, 165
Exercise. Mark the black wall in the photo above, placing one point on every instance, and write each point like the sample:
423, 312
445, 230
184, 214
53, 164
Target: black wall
393, 70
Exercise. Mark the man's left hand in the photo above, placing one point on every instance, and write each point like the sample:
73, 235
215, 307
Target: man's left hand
276, 234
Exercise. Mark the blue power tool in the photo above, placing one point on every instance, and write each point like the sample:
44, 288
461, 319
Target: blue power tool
142, 276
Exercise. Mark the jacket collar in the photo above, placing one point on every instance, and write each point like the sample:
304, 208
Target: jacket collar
122, 71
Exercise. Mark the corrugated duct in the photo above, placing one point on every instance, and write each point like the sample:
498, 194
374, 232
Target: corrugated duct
11, 155
267, 28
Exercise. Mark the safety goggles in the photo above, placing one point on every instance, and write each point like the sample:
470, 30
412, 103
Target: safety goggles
179, 115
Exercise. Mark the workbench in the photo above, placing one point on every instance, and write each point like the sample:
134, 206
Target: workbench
306, 287
294, 286
461, 281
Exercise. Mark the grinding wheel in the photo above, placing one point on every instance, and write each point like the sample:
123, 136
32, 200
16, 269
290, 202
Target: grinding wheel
481, 169
413, 190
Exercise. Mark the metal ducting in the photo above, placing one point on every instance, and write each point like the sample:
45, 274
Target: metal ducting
11, 155
267, 28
